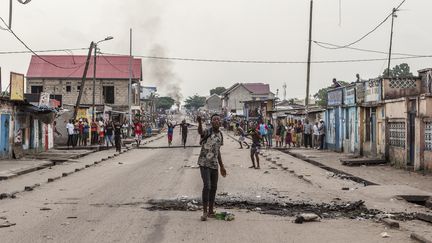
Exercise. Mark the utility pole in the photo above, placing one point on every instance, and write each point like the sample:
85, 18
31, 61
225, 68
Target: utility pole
10, 10
391, 41
309, 57
130, 81
83, 81
94, 84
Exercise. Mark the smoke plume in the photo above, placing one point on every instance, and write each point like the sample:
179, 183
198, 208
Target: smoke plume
161, 73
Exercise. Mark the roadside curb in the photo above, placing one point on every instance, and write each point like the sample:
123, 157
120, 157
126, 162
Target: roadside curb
420, 238
328, 168
65, 174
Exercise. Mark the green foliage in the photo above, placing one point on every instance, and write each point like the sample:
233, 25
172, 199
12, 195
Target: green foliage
194, 102
321, 96
164, 103
399, 71
217, 90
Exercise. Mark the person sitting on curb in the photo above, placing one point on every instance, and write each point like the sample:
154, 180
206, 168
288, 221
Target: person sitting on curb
210, 160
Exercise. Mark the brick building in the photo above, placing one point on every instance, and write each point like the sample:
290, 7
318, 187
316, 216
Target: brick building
64, 79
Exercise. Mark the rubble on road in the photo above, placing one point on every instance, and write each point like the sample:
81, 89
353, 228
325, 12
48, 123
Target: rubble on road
307, 217
352, 210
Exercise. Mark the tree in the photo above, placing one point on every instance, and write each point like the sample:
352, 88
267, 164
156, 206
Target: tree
164, 103
195, 102
321, 96
217, 90
399, 71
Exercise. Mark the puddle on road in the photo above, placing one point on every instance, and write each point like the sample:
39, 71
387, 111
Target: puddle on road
352, 210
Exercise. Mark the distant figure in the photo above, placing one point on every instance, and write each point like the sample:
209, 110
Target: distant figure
240, 132
255, 147
70, 130
316, 143
184, 132
322, 133
138, 130
170, 133
270, 130
117, 135
109, 133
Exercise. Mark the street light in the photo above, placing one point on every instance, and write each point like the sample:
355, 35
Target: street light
94, 74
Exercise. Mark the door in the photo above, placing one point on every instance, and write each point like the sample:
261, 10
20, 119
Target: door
338, 138
373, 127
411, 138
4, 134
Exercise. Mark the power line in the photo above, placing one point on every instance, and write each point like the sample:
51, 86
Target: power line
41, 51
269, 62
373, 30
28, 48
323, 45
106, 59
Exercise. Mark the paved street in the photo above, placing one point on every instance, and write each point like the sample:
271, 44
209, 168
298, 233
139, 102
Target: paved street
109, 202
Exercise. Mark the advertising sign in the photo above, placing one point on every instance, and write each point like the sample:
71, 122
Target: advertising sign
16, 86
44, 99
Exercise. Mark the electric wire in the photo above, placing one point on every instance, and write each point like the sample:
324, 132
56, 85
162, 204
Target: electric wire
371, 31
322, 44
34, 53
41, 51
269, 62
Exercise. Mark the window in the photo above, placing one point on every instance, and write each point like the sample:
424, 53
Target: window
397, 134
78, 87
108, 94
68, 88
428, 136
36, 89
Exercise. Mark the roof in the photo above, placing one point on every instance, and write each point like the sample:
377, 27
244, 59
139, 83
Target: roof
257, 88
213, 95
254, 88
72, 67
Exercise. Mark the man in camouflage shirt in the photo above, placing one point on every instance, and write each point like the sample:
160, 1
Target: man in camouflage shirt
209, 161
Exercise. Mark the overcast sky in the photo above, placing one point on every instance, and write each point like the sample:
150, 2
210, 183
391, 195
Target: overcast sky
274, 30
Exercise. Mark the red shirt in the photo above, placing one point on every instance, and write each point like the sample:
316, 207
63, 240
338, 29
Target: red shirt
138, 128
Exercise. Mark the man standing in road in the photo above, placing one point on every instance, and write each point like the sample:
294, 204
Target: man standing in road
315, 136
322, 133
138, 130
70, 130
210, 160
307, 134
184, 131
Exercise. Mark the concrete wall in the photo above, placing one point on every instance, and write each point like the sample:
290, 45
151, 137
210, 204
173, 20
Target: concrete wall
58, 87
214, 103
236, 97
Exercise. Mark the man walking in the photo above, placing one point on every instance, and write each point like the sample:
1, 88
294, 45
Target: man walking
210, 160
307, 134
184, 131
270, 130
242, 135
255, 148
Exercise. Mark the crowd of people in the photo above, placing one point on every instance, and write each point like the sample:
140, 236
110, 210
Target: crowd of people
108, 133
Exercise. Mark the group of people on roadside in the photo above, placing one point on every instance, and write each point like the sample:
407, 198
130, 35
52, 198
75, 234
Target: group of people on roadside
301, 133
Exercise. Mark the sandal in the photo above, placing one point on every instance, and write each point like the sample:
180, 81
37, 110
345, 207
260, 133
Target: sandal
251, 167
203, 217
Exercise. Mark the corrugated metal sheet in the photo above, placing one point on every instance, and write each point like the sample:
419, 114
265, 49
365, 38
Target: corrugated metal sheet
108, 67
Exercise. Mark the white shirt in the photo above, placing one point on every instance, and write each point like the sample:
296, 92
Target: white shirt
315, 130
70, 128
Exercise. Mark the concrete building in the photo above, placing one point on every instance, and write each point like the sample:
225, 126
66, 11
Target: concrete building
214, 104
234, 97
24, 128
64, 79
